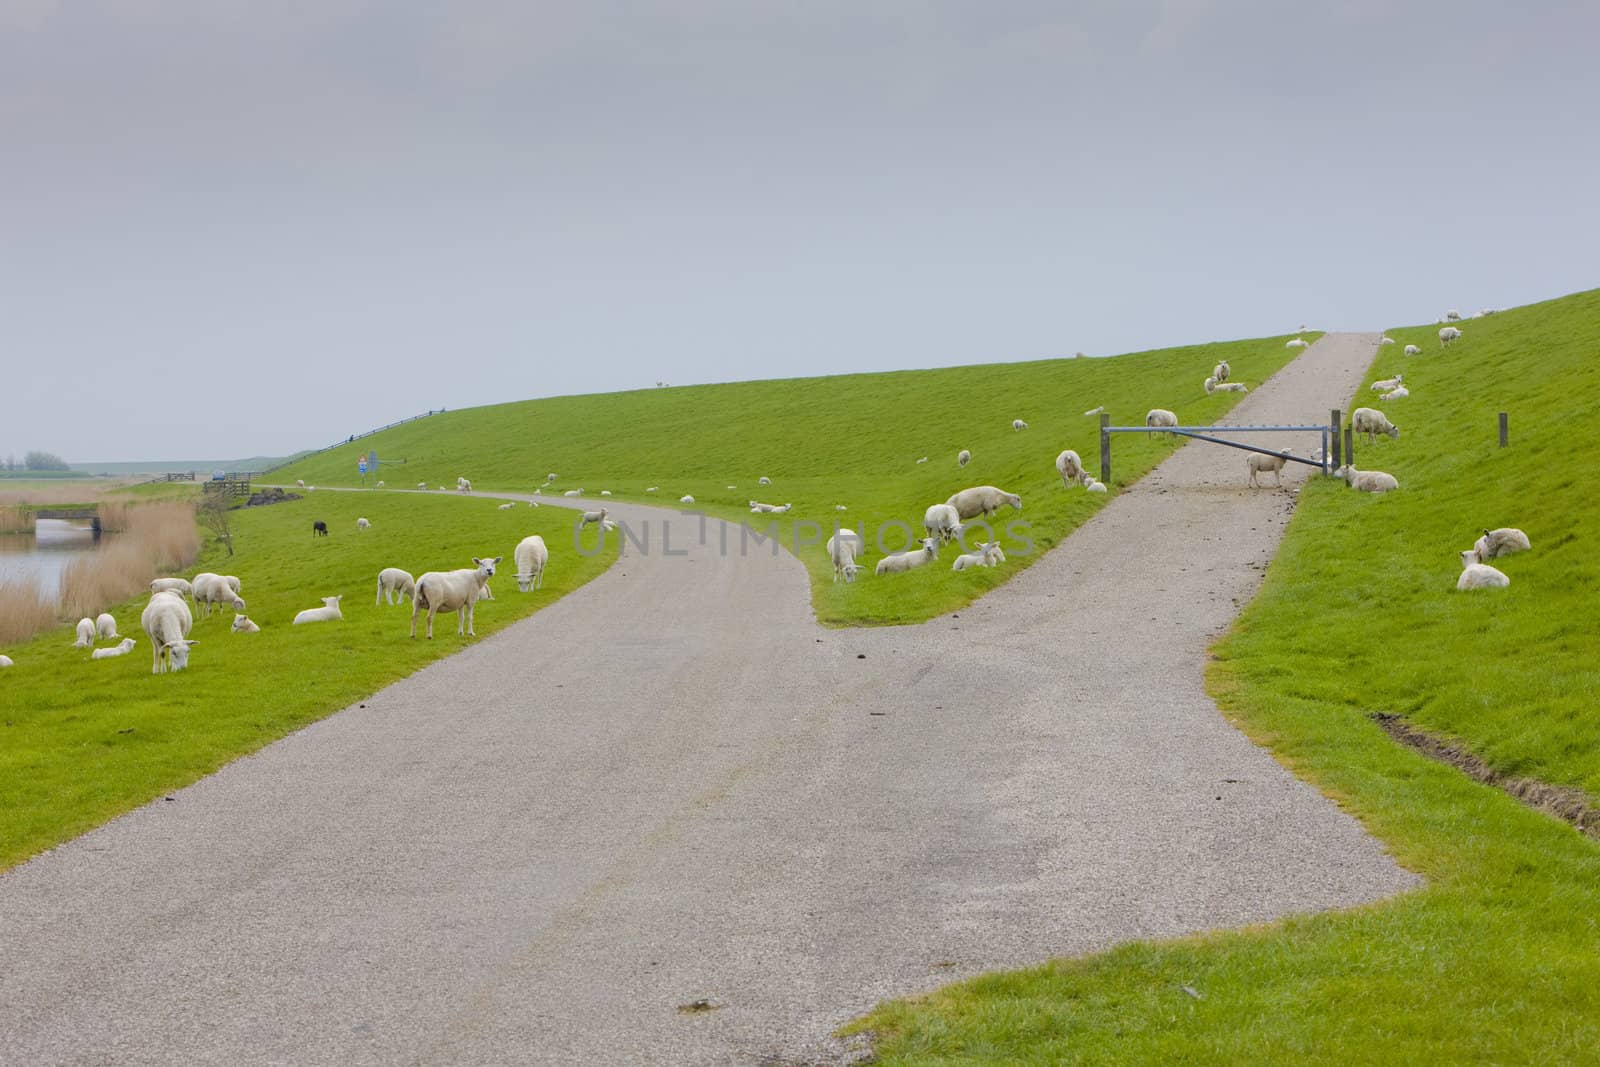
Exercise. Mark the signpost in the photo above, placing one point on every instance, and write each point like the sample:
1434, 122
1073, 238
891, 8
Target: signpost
362, 467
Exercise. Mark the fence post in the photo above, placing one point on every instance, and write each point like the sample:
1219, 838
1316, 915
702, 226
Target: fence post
1505, 432
1334, 419
1105, 448
1349, 447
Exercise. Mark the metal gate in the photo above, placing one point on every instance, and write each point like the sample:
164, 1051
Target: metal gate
1332, 455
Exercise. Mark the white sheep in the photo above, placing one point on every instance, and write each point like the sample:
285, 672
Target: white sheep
573, 492
1160, 417
362, 523
1448, 334
1496, 543
7, 661
1452, 315
380, 483
538, 490
653, 489
105, 626
209, 589
1386, 384
760, 508
1296, 343
1386, 340
119, 650
1070, 467
942, 521
311, 488
550, 477
986, 555
1367, 481
507, 506
1221, 371
840, 507
686, 499
167, 621
963, 458
733, 487
605, 492
424, 485
924, 459
905, 561
1400, 392
1259, 464
463, 485
85, 637
593, 517
394, 585
172, 585
329, 612
1413, 350
842, 548
301, 482
763, 480
441, 489
1018, 424
456, 591
982, 500
530, 556
1095, 485
1214, 386
850, 539
1479, 576
1370, 422
1095, 411
244, 624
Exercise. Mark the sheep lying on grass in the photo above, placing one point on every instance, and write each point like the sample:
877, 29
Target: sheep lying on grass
1214, 386
1367, 481
573, 492
987, 554
686, 499
167, 621
1399, 392
756, 507
118, 650
455, 591
530, 556
982, 500
7, 661
905, 561
243, 624
1413, 350
1259, 464
1296, 343
1386, 384
394, 585
1386, 340
105, 626
763, 480
329, 612
1496, 543
1479, 575
507, 506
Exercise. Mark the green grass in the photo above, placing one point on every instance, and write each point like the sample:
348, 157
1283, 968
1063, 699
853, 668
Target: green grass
851, 440
1497, 960
82, 741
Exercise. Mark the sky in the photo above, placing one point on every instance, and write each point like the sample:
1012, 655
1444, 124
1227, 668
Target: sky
230, 228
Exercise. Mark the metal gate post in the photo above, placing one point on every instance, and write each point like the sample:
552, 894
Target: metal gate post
1333, 423
1105, 448
1349, 447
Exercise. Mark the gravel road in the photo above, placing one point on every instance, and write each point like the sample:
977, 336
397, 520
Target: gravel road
673, 789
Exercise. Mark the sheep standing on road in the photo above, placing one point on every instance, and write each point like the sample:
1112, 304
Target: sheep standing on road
1496, 543
105, 626
1370, 422
1260, 464
530, 556
905, 561
329, 612
1070, 467
596, 518
118, 650
982, 500
167, 621
394, 585
1367, 481
455, 591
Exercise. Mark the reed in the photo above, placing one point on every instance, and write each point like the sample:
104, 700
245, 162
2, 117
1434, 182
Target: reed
156, 538
25, 610
15, 519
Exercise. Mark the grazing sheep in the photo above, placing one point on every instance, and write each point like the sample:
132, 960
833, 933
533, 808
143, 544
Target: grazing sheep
119, 650
686, 499
1386, 340
1413, 350
1502, 542
105, 626
1214, 386
362, 523
1221, 371
173, 585
85, 633
394, 585
573, 492
1367, 481
1452, 315
1448, 334
1018, 424
1387, 384
1160, 417
1296, 343
1070, 467
166, 620
329, 612
1095, 411
1479, 576
963, 458
593, 517
456, 591
319, 528
987, 554
1260, 464
422, 485
301, 482
530, 556
1398, 393
982, 500
7, 661
215, 589
550, 477
905, 561
463, 485
244, 624
942, 521
842, 548
1370, 422
848, 539
763, 480
507, 506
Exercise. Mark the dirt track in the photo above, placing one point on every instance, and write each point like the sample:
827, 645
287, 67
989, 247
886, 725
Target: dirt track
673, 786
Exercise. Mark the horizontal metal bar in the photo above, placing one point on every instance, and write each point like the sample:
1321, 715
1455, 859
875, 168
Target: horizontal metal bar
1252, 448
1215, 429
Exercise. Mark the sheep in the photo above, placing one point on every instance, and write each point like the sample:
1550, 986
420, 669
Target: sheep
593, 517
1221, 371
533, 503
175, 585
7, 661
963, 458
319, 528
455, 591
1386, 340
380, 483
1018, 424
1387, 384
1479, 576
842, 551
550, 477
538, 490
422, 485
530, 556
311, 489
209, 589
329, 612
105, 626
1259, 464
760, 508
244, 624
942, 521
653, 489
441, 489
573, 492
1448, 334
848, 537
1370, 422
686, 499
1367, 481
1296, 343
924, 459
763, 480
166, 620
85, 634
1214, 386
905, 561
987, 555
1452, 315
1069, 466
463, 485
1094, 485
1160, 417
605, 492
394, 585
1413, 350
1502, 542
1095, 411
840, 507
362, 523
982, 499
117, 650
1397, 393
301, 482
507, 506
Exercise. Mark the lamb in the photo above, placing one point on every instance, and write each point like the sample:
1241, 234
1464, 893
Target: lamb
7, 661
422, 485
455, 591
942, 521
85, 634
1371, 422
166, 620
686, 499
1502, 542
1386, 340
1479, 575
763, 480
595, 517
1296, 343
1160, 417
463, 485
380, 483
394, 585
842, 550
243, 624
362, 524
1367, 481
963, 458
175, 585
209, 589
1452, 315
1214, 386
1221, 371
1448, 334
105, 626
982, 500
329, 612
760, 508
840, 507
924, 459
1260, 464
1413, 350
1397, 393
1018, 424
301, 482
653, 489
901, 562
986, 555
573, 492
118, 650
507, 506
530, 556
1070, 467
605, 492
1387, 384
550, 477
1094, 485
1101, 410
319, 528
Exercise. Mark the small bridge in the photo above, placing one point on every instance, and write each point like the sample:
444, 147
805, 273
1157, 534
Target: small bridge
89, 512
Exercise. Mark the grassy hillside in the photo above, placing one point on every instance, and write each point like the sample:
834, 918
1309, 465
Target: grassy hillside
84, 740
852, 441
1498, 959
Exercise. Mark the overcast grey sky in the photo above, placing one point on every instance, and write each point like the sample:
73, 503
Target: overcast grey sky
230, 227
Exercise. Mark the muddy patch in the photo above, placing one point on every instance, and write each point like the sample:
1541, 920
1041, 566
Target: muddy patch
1565, 803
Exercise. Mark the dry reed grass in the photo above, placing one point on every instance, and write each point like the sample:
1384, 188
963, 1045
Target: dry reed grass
155, 538
15, 519
25, 610
47, 495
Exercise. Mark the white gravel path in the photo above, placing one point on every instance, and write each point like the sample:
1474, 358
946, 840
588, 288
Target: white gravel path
673, 786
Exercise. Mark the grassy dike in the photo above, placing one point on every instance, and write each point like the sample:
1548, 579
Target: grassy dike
1497, 959
852, 440
83, 741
